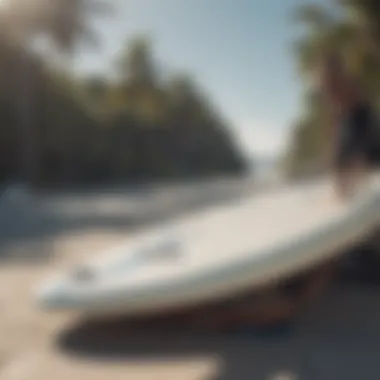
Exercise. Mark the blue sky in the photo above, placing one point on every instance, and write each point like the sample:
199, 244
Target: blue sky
239, 50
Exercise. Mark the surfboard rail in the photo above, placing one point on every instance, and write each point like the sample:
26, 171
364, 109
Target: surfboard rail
218, 253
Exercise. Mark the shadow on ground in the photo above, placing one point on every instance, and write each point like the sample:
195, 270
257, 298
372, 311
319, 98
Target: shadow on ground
237, 357
336, 338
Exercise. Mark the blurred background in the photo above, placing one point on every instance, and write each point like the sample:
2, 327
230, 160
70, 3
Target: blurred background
115, 113
124, 91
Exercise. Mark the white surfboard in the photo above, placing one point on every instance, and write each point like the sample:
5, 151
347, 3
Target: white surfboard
217, 253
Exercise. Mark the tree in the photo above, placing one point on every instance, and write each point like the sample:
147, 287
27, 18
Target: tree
142, 126
139, 78
65, 23
136, 64
351, 27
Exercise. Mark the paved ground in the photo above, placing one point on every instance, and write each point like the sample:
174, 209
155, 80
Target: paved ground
338, 338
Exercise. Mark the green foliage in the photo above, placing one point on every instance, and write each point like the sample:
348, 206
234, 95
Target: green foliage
351, 27
94, 129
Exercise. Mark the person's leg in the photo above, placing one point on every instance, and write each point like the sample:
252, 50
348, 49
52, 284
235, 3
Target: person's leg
351, 178
360, 172
340, 164
352, 164
342, 172
363, 136
341, 183
361, 154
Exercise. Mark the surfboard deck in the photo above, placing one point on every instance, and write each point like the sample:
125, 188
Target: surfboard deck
217, 253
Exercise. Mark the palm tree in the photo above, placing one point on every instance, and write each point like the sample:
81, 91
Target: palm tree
354, 31
141, 86
65, 23
136, 64
324, 29
351, 27
364, 14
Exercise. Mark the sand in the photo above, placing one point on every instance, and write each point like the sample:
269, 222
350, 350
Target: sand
337, 338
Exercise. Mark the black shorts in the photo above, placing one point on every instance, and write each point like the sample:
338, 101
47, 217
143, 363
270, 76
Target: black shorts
356, 137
